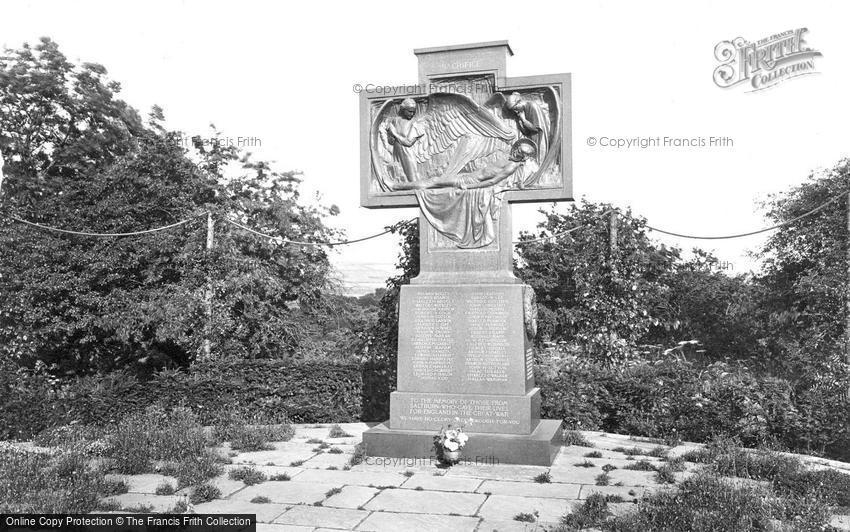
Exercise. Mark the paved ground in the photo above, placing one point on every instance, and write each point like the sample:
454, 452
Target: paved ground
383, 494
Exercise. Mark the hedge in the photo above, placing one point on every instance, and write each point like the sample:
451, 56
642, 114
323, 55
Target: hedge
306, 392
667, 399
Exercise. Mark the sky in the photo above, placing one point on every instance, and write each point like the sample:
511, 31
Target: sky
281, 75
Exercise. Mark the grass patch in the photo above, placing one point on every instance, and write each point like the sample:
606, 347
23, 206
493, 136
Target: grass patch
603, 480
337, 432
139, 439
572, 437
296, 463
359, 455
333, 491
526, 518
280, 477
165, 488
641, 465
706, 503
608, 468
261, 499
40, 483
593, 454
543, 478
408, 473
315, 441
586, 463
592, 513
335, 450
249, 475
204, 493
665, 475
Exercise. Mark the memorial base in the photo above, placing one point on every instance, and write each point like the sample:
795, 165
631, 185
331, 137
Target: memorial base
417, 447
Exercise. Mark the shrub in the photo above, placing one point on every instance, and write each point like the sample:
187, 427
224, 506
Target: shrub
337, 432
33, 482
165, 488
204, 493
248, 475
543, 478
572, 437
592, 513
641, 465
705, 504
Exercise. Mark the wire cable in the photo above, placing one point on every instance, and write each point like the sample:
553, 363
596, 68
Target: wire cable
304, 243
766, 229
558, 235
85, 233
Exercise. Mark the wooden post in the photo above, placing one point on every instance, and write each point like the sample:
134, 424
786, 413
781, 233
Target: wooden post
209, 292
612, 236
847, 294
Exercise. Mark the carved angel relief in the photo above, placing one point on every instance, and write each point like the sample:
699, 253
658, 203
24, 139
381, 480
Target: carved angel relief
458, 157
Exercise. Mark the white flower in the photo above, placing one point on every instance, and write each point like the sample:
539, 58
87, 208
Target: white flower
462, 438
451, 434
451, 445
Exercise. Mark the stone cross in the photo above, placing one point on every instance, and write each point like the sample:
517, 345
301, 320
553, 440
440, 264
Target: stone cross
462, 145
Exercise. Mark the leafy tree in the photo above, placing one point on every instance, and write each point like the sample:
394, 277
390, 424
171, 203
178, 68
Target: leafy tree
804, 275
720, 311
587, 296
80, 304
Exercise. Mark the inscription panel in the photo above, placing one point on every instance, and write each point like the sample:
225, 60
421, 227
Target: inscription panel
477, 413
462, 339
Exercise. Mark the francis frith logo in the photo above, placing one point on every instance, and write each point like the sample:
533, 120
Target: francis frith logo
764, 63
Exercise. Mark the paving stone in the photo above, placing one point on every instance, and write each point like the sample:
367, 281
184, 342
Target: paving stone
226, 485
682, 449
510, 526
428, 502
269, 470
324, 460
160, 503
286, 492
570, 455
530, 489
279, 458
619, 509
575, 475
841, 522
146, 483
349, 478
506, 507
619, 463
497, 472
633, 478
398, 465
626, 492
351, 497
274, 527
266, 513
395, 522
321, 516
428, 481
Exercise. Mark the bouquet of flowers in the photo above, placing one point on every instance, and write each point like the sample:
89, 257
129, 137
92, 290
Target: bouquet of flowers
449, 443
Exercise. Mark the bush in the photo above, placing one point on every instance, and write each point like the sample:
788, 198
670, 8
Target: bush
706, 503
204, 493
669, 398
248, 475
302, 392
39, 483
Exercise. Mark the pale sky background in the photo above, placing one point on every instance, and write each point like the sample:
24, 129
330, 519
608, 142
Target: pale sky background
283, 72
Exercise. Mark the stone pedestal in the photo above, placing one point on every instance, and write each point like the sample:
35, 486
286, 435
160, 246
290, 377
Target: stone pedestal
465, 357
466, 322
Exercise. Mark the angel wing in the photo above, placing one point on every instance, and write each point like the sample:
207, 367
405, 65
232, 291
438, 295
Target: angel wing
457, 132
